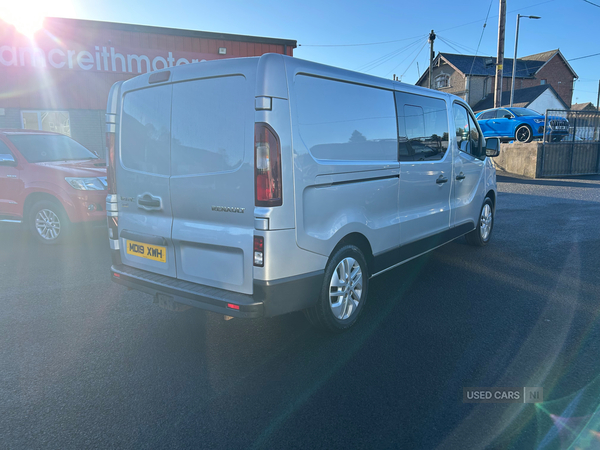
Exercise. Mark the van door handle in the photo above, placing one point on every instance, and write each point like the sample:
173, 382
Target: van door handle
441, 180
149, 202
460, 176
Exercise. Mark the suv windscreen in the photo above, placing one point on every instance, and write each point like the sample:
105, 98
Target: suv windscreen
522, 112
49, 147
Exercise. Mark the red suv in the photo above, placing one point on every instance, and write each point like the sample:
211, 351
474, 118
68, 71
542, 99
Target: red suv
49, 181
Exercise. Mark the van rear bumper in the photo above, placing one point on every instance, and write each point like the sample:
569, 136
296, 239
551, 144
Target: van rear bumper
270, 298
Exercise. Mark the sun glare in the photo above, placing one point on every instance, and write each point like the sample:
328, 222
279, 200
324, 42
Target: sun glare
25, 18
28, 17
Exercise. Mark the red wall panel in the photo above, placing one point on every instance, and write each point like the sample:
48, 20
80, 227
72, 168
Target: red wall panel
73, 87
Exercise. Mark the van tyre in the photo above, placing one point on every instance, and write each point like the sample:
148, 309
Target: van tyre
48, 222
481, 235
344, 292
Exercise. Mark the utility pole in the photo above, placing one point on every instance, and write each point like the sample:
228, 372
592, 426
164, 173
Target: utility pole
431, 56
598, 101
500, 59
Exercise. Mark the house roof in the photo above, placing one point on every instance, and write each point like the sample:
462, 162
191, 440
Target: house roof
527, 66
523, 97
589, 106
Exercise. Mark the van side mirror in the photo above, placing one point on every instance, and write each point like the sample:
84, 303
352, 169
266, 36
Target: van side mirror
492, 147
7, 160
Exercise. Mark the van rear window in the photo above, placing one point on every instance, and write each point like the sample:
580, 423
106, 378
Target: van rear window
145, 130
346, 122
208, 125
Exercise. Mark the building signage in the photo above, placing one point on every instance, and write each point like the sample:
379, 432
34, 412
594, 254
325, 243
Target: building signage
99, 58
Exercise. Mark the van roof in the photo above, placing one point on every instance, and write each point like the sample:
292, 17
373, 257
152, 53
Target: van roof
273, 63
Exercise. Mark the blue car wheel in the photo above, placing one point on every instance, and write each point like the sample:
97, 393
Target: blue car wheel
523, 134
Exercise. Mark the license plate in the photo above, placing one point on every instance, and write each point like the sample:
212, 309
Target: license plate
560, 128
143, 250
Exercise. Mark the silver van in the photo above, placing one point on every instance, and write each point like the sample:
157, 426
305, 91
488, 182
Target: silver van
259, 186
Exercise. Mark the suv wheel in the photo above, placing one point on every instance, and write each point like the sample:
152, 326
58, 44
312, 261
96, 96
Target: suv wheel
523, 134
48, 222
344, 291
481, 235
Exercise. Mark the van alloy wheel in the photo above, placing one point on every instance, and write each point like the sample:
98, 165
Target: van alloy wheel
485, 227
482, 233
344, 291
47, 224
345, 288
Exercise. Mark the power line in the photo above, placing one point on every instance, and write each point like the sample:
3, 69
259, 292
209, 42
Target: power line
458, 44
449, 45
385, 58
414, 37
481, 37
411, 63
583, 57
508, 12
356, 45
587, 1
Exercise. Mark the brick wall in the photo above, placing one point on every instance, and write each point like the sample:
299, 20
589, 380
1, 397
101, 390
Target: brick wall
457, 81
558, 76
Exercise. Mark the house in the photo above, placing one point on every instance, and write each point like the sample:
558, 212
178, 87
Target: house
539, 98
473, 77
589, 106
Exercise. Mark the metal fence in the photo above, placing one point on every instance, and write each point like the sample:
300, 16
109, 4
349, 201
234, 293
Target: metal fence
571, 143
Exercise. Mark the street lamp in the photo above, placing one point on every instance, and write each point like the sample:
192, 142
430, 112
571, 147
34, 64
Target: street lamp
512, 86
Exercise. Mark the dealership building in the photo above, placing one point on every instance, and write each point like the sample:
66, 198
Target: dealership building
59, 80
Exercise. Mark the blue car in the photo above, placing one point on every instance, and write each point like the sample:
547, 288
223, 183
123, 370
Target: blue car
520, 124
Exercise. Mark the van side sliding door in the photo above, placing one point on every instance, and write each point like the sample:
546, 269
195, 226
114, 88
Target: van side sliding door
425, 170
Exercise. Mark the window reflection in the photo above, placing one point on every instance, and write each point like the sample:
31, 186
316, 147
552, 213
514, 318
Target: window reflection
422, 127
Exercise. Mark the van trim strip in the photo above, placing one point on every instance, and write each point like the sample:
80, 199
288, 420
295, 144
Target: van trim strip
361, 180
400, 255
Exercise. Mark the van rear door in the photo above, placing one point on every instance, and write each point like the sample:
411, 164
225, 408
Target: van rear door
212, 176
145, 217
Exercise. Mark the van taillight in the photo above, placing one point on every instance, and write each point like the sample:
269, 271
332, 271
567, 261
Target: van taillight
111, 178
267, 166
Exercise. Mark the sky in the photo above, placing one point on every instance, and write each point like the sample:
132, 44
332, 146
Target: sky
382, 38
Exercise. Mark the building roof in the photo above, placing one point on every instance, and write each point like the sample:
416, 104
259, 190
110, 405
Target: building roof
589, 106
527, 66
94, 24
523, 97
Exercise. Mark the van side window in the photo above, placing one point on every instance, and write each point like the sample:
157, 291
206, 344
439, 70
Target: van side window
468, 137
422, 127
345, 122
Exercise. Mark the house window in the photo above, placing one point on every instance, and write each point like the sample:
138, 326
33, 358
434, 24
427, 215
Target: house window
543, 81
442, 81
56, 121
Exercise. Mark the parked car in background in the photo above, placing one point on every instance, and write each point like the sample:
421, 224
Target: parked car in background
520, 124
48, 181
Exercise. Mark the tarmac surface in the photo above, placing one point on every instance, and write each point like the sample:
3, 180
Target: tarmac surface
85, 363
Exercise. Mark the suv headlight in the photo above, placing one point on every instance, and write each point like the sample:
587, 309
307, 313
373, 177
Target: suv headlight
539, 120
85, 184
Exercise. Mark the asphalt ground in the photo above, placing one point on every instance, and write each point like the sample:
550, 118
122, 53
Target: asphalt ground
85, 363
